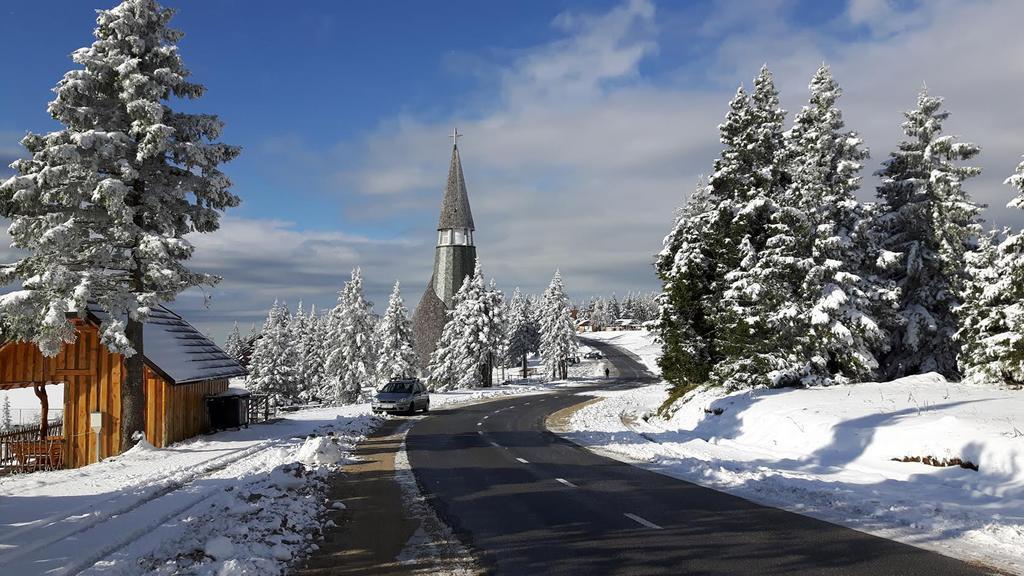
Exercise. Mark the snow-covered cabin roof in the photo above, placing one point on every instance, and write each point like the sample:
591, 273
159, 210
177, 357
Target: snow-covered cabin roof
455, 212
177, 350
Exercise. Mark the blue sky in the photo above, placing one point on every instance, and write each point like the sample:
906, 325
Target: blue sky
586, 123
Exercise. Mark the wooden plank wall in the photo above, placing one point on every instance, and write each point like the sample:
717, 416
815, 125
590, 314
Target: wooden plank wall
92, 377
185, 415
92, 382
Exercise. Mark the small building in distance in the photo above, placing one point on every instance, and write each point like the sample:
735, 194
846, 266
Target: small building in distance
182, 368
624, 324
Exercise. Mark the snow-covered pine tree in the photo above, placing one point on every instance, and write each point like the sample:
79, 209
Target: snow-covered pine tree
471, 338
6, 423
297, 328
600, 316
314, 339
274, 366
495, 329
927, 223
233, 343
754, 328
523, 331
351, 364
397, 358
445, 367
837, 296
557, 333
103, 205
614, 308
992, 314
688, 269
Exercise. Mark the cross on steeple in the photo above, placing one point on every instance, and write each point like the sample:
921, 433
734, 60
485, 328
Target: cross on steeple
455, 136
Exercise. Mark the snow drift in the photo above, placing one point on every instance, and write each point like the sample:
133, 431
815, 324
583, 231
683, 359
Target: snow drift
838, 453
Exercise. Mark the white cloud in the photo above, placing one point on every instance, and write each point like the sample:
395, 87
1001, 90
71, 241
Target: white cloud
581, 157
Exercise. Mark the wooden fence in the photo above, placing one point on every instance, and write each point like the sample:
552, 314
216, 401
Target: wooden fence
260, 409
23, 449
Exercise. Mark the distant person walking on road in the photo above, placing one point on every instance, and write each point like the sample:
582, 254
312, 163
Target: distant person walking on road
606, 371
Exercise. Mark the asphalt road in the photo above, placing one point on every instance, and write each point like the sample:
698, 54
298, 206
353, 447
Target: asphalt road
529, 502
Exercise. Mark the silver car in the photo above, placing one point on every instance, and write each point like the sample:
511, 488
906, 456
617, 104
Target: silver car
402, 396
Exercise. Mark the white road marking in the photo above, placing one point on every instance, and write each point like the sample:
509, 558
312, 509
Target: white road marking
523, 461
479, 423
495, 444
486, 417
480, 432
642, 521
567, 483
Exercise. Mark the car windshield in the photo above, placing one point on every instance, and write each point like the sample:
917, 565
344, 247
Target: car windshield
397, 387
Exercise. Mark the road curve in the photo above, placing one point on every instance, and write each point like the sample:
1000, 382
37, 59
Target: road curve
529, 502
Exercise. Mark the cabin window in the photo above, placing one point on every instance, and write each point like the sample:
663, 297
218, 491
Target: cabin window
460, 236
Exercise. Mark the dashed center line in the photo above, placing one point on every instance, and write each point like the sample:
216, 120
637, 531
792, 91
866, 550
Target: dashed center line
479, 423
567, 483
486, 417
495, 444
642, 521
523, 461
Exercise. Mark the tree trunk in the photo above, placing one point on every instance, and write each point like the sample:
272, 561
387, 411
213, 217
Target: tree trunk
44, 410
525, 370
133, 399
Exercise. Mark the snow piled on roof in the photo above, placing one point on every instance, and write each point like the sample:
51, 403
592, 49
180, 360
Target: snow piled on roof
177, 349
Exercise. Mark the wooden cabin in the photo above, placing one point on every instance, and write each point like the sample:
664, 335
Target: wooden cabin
182, 368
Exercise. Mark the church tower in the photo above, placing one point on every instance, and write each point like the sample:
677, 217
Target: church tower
454, 259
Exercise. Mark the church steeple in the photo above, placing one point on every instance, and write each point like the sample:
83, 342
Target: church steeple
455, 226
454, 259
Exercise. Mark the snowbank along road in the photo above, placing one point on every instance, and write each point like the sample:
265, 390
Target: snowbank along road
529, 502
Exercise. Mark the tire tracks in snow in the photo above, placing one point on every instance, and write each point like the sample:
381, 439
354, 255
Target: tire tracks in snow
115, 523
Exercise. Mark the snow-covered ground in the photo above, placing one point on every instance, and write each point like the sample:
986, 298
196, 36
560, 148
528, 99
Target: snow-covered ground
236, 502
639, 342
829, 453
225, 503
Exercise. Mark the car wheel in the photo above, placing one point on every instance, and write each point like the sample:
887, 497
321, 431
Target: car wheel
426, 407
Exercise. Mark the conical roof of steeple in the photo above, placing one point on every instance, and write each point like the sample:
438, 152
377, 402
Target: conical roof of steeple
455, 212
